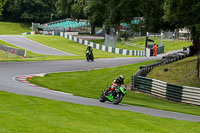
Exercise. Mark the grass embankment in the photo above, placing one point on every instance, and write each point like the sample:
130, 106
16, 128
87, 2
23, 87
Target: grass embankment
9, 28
25, 114
182, 72
170, 45
61, 44
90, 83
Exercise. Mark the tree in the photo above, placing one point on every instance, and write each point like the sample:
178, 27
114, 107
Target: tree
95, 11
2, 2
109, 12
63, 8
113, 12
29, 10
78, 9
152, 11
185, 14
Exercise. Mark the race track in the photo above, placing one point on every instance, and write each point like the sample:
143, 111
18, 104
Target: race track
10, 70
30, 45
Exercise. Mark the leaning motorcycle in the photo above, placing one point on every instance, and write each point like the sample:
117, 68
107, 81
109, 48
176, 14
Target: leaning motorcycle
114, 96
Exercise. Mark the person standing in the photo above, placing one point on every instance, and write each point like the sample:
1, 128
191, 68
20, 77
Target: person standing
155, 50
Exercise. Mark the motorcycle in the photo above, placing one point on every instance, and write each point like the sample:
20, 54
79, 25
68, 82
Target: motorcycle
89, 56
114, 96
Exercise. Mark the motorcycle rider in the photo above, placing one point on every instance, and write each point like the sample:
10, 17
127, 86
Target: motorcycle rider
89, 49
89, 53
116, 83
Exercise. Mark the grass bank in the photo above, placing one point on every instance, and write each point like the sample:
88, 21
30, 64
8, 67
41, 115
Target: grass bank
182, 72
10, 28
25, 114
90, 83
170, 45
61, 44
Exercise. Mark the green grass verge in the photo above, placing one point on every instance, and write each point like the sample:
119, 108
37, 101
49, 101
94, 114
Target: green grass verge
26, 114
170, 45
182, 72
90, 83
61, 44
9, 28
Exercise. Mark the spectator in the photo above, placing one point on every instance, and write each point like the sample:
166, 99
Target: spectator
155, 50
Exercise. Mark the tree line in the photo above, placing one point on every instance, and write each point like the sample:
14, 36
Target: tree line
157, 14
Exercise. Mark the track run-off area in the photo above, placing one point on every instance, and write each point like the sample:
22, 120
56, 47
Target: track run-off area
11, 70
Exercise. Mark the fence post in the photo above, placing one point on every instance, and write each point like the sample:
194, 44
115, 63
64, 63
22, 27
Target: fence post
198, 64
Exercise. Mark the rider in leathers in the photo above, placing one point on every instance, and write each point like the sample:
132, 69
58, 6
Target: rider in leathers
117, 82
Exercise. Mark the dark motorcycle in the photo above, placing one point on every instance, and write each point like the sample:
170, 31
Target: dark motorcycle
89, 56
114, 96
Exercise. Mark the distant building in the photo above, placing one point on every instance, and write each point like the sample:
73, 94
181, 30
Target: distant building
184, 34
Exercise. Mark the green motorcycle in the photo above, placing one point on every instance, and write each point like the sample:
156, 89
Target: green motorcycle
114, 96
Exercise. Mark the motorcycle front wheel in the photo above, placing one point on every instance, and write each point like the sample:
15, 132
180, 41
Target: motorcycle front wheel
118, 98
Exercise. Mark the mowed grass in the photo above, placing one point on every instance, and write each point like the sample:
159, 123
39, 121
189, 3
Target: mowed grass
182, 72
10, 28
26, 114
62, 44
170, 45
91, 83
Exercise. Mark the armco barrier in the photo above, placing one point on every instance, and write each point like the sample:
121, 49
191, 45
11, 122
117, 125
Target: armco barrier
13, 50
185, 94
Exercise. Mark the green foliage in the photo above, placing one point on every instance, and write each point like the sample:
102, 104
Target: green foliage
63, 7
118, 11
152, 11
185, 14
71, 8
29, 10
95, 10
182, 13
2, 2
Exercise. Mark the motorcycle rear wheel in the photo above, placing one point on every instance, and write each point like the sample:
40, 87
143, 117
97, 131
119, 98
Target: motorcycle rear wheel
118, 98
102, 98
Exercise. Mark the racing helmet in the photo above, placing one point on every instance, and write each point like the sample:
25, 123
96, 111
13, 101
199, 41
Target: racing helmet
121, 78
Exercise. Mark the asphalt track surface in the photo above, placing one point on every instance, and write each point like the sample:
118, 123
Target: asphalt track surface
10, 70
30, 45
